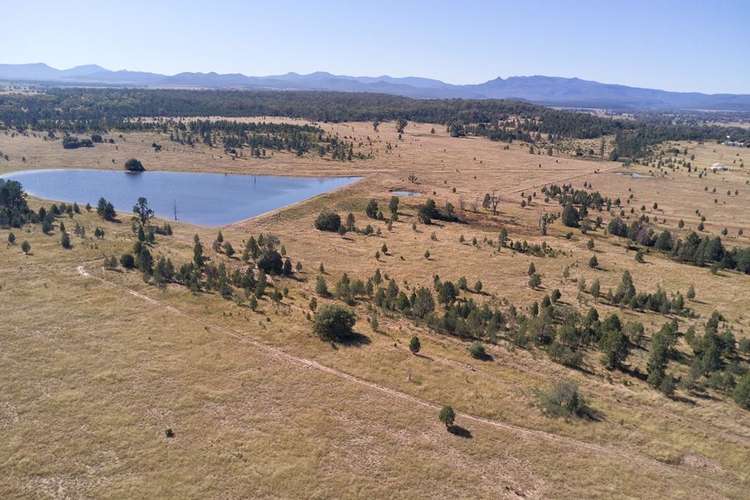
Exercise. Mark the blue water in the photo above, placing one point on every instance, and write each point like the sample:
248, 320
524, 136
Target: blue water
201, 198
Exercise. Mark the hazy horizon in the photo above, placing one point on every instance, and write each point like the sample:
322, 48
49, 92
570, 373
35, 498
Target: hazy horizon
678, 46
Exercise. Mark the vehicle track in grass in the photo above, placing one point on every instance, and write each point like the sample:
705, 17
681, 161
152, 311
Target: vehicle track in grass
279, 354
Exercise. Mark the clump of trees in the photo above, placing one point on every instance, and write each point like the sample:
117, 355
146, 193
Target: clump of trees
429, 211
14, 211
627, 295
328, 221
693, 249
106, 210
72, 142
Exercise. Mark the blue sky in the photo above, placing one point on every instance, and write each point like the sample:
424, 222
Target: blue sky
675, 45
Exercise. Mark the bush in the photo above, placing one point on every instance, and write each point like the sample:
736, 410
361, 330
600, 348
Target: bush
328, 221
334, 322
447, 416
414, 345
742, 392
26, 247
560, 353
133, 165
271, 262
535, 281
477, 350
372, 209
570, 216
127, 261
321, 287
106, 210
563, 400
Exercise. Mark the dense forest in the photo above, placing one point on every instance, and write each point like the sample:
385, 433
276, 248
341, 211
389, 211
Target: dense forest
77, 110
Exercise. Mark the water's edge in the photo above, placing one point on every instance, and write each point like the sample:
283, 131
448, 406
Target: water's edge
199, 198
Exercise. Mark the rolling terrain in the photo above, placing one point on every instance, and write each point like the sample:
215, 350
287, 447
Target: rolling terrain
99, 363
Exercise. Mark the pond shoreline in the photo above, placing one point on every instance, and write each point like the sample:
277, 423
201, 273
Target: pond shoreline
199, 198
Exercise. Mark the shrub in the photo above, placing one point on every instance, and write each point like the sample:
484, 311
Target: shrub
414, 345
667, 385
127, 261
133, 165
271, 262
593, 262
560, 353
334, 322
328, 221
742, 392
228, 249
477, 350
447, 416
372, 209
535, 281
26, 247
106, 210
321, 287
570, 216
563, 400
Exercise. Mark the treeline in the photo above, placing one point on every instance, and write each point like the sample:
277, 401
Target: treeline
259, 136
79, 110
105, 108
635, 142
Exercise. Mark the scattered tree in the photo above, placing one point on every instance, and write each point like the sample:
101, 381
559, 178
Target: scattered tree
333, 322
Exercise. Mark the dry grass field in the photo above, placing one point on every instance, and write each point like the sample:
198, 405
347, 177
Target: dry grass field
97, 364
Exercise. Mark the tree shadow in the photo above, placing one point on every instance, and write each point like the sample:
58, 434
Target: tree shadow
423, 356
633, 372
484, 357
459, 431
581, 369
592, 414
355, 339
703, 395
682, 399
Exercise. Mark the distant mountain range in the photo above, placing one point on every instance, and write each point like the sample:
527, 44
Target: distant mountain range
553, 91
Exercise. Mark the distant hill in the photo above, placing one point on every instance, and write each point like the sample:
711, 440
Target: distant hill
555, 91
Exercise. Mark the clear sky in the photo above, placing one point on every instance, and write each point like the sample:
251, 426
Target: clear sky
675, 45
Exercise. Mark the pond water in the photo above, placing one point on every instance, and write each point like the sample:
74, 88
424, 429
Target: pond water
200, 198
405, 194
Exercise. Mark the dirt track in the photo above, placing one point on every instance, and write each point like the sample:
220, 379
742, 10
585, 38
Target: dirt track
282, 355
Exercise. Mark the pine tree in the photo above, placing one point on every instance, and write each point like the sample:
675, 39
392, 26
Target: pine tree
198, 259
